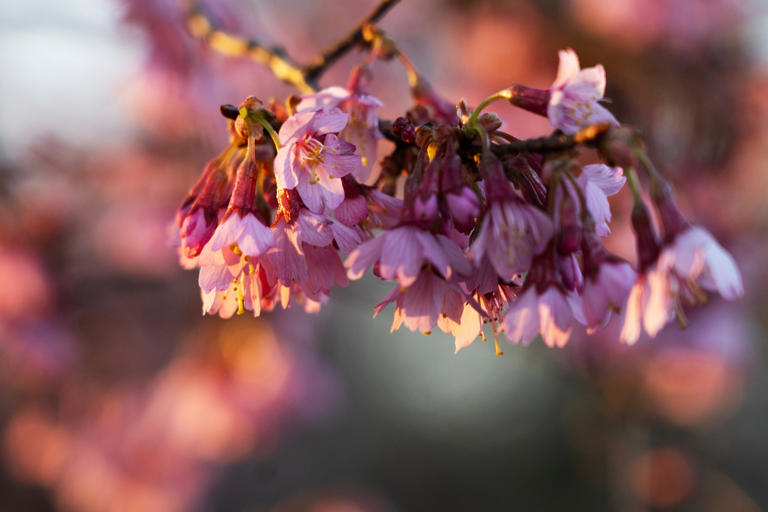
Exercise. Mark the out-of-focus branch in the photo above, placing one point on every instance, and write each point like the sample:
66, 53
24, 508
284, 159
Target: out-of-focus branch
304, 78
559, 142
320, 63
281, 65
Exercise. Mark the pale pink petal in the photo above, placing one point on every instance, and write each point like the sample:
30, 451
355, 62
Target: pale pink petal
456, 258
595, 303
599, 208
214, 277
633, 313
285, 167
227, 233
364, 257
332, 192
256, 238
228, 305
521, 324
352, 211
567, 68
422, 302
555, 317
311, 192
314, 229
332, 121
329, 98
592, 78
253, 292
609, 179
659, 309
296, 126
346, 238
721, 273
401, 255
209, 298
467, 329
434, 253
325, 269
286, 259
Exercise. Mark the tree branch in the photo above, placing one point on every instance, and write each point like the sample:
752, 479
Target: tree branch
558, 142
281, 65
320, 63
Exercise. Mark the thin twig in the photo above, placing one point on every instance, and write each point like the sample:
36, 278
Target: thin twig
320, 63
559, 142
281, 65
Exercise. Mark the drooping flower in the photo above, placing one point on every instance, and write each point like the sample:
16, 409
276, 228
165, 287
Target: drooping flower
575, 95
607, 282
312, 158
639, 314
243, 225
598, 182
305, 257
512, 231
693, 253
198, 216
464, 330
681, 271
420, 304
545, 312
543, 306
401, 253
478, 308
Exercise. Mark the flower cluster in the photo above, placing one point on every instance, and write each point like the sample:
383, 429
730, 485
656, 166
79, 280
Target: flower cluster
485, 229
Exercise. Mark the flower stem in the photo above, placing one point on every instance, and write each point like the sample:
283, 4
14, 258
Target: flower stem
413, 75
501, 95
586, 216
655, 178
268, 127
634, 186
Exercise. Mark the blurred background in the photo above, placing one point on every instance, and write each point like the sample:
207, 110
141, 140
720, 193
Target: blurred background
115, 394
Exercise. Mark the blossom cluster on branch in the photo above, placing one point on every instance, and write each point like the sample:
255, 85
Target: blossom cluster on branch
471, 225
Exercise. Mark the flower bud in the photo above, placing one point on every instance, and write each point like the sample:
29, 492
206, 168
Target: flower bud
647, 241
404, 130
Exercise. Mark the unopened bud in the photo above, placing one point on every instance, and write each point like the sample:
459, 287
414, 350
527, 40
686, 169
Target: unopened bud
646, 238
404, 130
616, 146
490, 121
671, 218
530, 99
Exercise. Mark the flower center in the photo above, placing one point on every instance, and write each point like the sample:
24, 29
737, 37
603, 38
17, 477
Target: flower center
310, 151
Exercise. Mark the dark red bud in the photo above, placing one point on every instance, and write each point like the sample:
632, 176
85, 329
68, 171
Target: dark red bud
530, 99
647, 241
671, 219
404, 130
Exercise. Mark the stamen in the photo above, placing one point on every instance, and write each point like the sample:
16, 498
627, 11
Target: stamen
496, 339
681, 319
240, 296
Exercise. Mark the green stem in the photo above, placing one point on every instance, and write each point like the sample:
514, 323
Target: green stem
483, 138
634, 185
271, 131
501, 95
653, 175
